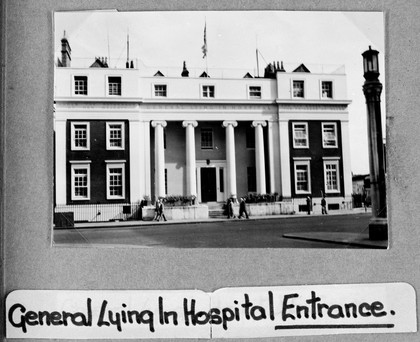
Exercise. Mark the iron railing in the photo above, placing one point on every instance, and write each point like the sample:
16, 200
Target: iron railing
97, 212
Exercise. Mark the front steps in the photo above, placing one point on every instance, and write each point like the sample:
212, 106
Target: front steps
216, 210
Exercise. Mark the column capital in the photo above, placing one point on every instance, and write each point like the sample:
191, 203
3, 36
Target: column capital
259, 122
159, 123
189, 122
228, 122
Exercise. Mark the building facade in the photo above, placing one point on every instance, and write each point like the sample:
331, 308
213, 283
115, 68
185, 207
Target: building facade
121, 137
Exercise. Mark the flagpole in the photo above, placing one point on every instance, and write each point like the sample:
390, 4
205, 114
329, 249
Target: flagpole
258, 65
256, 53
204, 47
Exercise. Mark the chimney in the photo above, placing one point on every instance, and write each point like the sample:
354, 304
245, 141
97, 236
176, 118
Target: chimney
185, 72
282, 68
65, 52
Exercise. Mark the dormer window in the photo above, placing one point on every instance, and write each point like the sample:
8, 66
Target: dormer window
299, 89
208, 91
254, 92
80, 85
160, 90
327, 89
114, 85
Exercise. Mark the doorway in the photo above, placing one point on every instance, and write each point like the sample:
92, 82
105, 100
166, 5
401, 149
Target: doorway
208, 184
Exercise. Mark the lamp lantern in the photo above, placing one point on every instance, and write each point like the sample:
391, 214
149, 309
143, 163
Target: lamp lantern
370, 64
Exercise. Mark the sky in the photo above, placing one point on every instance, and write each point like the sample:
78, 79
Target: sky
323, 41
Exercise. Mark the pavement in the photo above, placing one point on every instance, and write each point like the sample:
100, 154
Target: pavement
140, 224
345, 238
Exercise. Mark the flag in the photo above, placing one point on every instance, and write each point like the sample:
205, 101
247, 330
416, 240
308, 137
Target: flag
204, 47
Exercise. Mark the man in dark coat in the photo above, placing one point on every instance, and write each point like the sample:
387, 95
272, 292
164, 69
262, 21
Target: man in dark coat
308, 205
242, 209
161, 213
324, 206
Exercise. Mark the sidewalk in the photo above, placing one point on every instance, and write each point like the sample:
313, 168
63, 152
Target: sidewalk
359, 238
139, 224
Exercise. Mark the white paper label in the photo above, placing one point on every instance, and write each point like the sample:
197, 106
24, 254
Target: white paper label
226, 313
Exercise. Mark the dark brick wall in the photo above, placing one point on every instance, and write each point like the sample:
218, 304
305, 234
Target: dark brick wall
97, 154
316, 152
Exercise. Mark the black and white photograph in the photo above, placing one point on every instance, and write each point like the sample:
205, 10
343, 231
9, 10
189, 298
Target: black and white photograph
220, 129
189, 170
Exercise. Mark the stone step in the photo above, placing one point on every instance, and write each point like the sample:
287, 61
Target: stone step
214, 205
216, 213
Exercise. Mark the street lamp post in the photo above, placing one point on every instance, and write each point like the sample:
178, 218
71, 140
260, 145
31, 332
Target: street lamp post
372, 88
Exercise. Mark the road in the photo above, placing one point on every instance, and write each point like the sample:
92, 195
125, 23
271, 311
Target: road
253, 233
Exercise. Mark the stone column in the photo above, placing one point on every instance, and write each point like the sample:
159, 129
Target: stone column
159, 158
190, 154
230, 156
286, 189
60, 162
345, 141
270, 139
259, 156
136, 161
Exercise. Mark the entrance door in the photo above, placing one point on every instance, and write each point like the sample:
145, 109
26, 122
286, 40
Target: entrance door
208, 184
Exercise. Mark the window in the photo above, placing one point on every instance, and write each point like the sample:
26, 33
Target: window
250, 137
302, 177
115, 135
114, 85
252, 179
80, 136
115, 180
80, 182
331, 176
254, 92
329, 135
298, 89
327, 92
221, 180
80, 85
160, 90
208, 91
206, 138
300, 135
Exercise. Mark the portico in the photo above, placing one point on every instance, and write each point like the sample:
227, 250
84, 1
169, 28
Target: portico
210, 161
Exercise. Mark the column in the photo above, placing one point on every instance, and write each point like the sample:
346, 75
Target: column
60, 162
136, 159
259, 155
345, 138
159, 158
139, 159
230, 156
190, 154
286, 189
270, 139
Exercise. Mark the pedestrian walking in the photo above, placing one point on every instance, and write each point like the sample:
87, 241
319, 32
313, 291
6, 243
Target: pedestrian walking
324, 206
155, 218
161, 211
230, 208
242, 209
308, 205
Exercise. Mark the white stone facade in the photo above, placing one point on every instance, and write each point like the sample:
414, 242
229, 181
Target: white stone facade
180, 127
